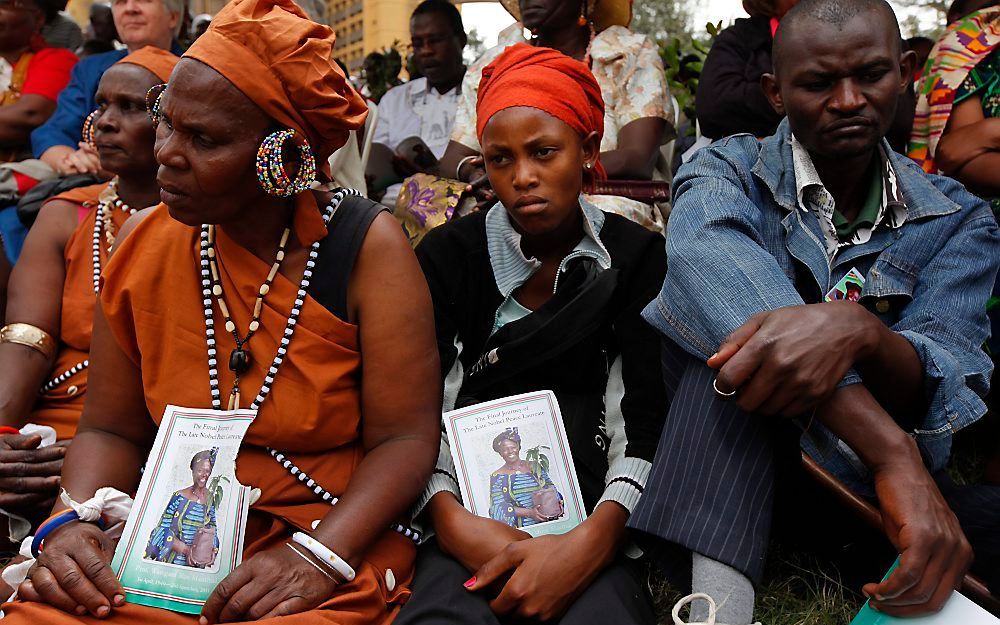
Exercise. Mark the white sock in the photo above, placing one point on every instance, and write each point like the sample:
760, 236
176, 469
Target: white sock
732, 591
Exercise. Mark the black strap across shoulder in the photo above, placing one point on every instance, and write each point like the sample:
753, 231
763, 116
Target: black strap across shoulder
339, 250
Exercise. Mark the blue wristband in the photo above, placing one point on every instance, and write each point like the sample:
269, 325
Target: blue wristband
51, 525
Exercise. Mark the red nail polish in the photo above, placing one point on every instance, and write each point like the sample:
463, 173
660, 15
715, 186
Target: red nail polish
469, 582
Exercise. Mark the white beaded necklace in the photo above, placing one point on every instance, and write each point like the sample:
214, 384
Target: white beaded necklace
265, 389
109, 198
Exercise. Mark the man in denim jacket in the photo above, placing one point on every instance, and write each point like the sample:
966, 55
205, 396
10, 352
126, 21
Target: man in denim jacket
761, 237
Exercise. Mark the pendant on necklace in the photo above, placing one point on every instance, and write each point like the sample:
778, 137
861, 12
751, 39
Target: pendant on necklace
239, 361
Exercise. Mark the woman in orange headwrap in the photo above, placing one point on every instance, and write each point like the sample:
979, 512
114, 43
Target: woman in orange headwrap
333, 325
543, 292
53, 288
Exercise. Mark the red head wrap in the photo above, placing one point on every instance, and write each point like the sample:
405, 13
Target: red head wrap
547, 80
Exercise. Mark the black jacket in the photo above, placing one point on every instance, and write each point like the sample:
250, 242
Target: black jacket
729, 99
456, 262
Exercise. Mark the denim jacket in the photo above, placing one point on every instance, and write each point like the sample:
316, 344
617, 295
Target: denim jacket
738, 245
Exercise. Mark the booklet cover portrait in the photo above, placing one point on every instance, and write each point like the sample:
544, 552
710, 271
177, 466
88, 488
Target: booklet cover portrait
514, 464
185, 532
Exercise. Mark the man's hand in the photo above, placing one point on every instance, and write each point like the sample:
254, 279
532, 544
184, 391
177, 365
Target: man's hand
270, 584
74, 574
29, 476
787, 361
470, 539
54, 156
934, 553
82, 161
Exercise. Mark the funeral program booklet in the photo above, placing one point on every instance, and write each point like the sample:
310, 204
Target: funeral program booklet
185, 532
958, 610
514, 465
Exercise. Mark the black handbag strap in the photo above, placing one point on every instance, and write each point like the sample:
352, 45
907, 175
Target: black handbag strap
339, 250
570, 316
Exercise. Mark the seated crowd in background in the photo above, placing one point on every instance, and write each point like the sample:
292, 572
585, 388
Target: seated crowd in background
825, 296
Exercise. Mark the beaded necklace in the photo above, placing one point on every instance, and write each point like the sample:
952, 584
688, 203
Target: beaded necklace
265, 389
105, 208
239, 359
109, 200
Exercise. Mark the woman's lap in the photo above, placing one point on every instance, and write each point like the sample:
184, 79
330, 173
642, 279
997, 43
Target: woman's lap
363, 602
618, 595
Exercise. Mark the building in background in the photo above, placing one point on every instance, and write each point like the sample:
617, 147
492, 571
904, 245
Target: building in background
364, 26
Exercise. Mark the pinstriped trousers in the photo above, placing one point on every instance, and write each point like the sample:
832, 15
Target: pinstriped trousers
711, 488
712, 485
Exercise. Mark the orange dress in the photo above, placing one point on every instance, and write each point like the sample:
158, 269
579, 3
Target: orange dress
152, 299
61, 407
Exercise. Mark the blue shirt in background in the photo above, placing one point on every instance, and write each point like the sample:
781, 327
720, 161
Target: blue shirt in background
77, 101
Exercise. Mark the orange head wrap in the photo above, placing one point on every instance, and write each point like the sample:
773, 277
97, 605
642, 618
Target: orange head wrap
283, 61
547, 80
154, 60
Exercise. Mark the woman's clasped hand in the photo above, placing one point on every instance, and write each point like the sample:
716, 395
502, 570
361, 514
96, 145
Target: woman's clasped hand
73, 572
272, 583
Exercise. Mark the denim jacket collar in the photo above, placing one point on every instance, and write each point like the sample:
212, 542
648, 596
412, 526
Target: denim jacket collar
776, 169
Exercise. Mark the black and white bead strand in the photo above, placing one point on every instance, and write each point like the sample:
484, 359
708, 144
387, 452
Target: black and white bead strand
327, 496
300, 296
103, 222
65, 375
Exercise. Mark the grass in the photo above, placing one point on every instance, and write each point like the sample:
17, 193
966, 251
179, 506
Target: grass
821, 586
798, 589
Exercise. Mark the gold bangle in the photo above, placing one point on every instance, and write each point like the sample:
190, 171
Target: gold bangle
29, 336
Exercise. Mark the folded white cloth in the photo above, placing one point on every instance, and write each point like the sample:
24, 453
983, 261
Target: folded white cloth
108, 502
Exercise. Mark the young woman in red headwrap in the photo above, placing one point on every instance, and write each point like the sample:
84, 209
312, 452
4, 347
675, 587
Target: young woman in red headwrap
638, 113
243, 279
52, 290
544, 266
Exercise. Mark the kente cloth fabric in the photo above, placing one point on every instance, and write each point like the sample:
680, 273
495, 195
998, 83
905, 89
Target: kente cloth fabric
158, 62
151, 298
544, 79
630, 72
60, 408
273, 53
963, 46
181, 520
984, 81
513, 490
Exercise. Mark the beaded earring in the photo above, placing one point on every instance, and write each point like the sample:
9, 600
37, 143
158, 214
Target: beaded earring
87, 133
153, 98
271, 166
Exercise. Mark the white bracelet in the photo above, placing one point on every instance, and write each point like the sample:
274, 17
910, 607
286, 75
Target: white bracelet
461, 164
306, 558
324, 555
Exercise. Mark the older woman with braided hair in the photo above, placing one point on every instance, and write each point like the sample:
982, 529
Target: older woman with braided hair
245, 279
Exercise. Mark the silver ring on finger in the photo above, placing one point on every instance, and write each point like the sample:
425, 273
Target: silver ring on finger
720, 393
